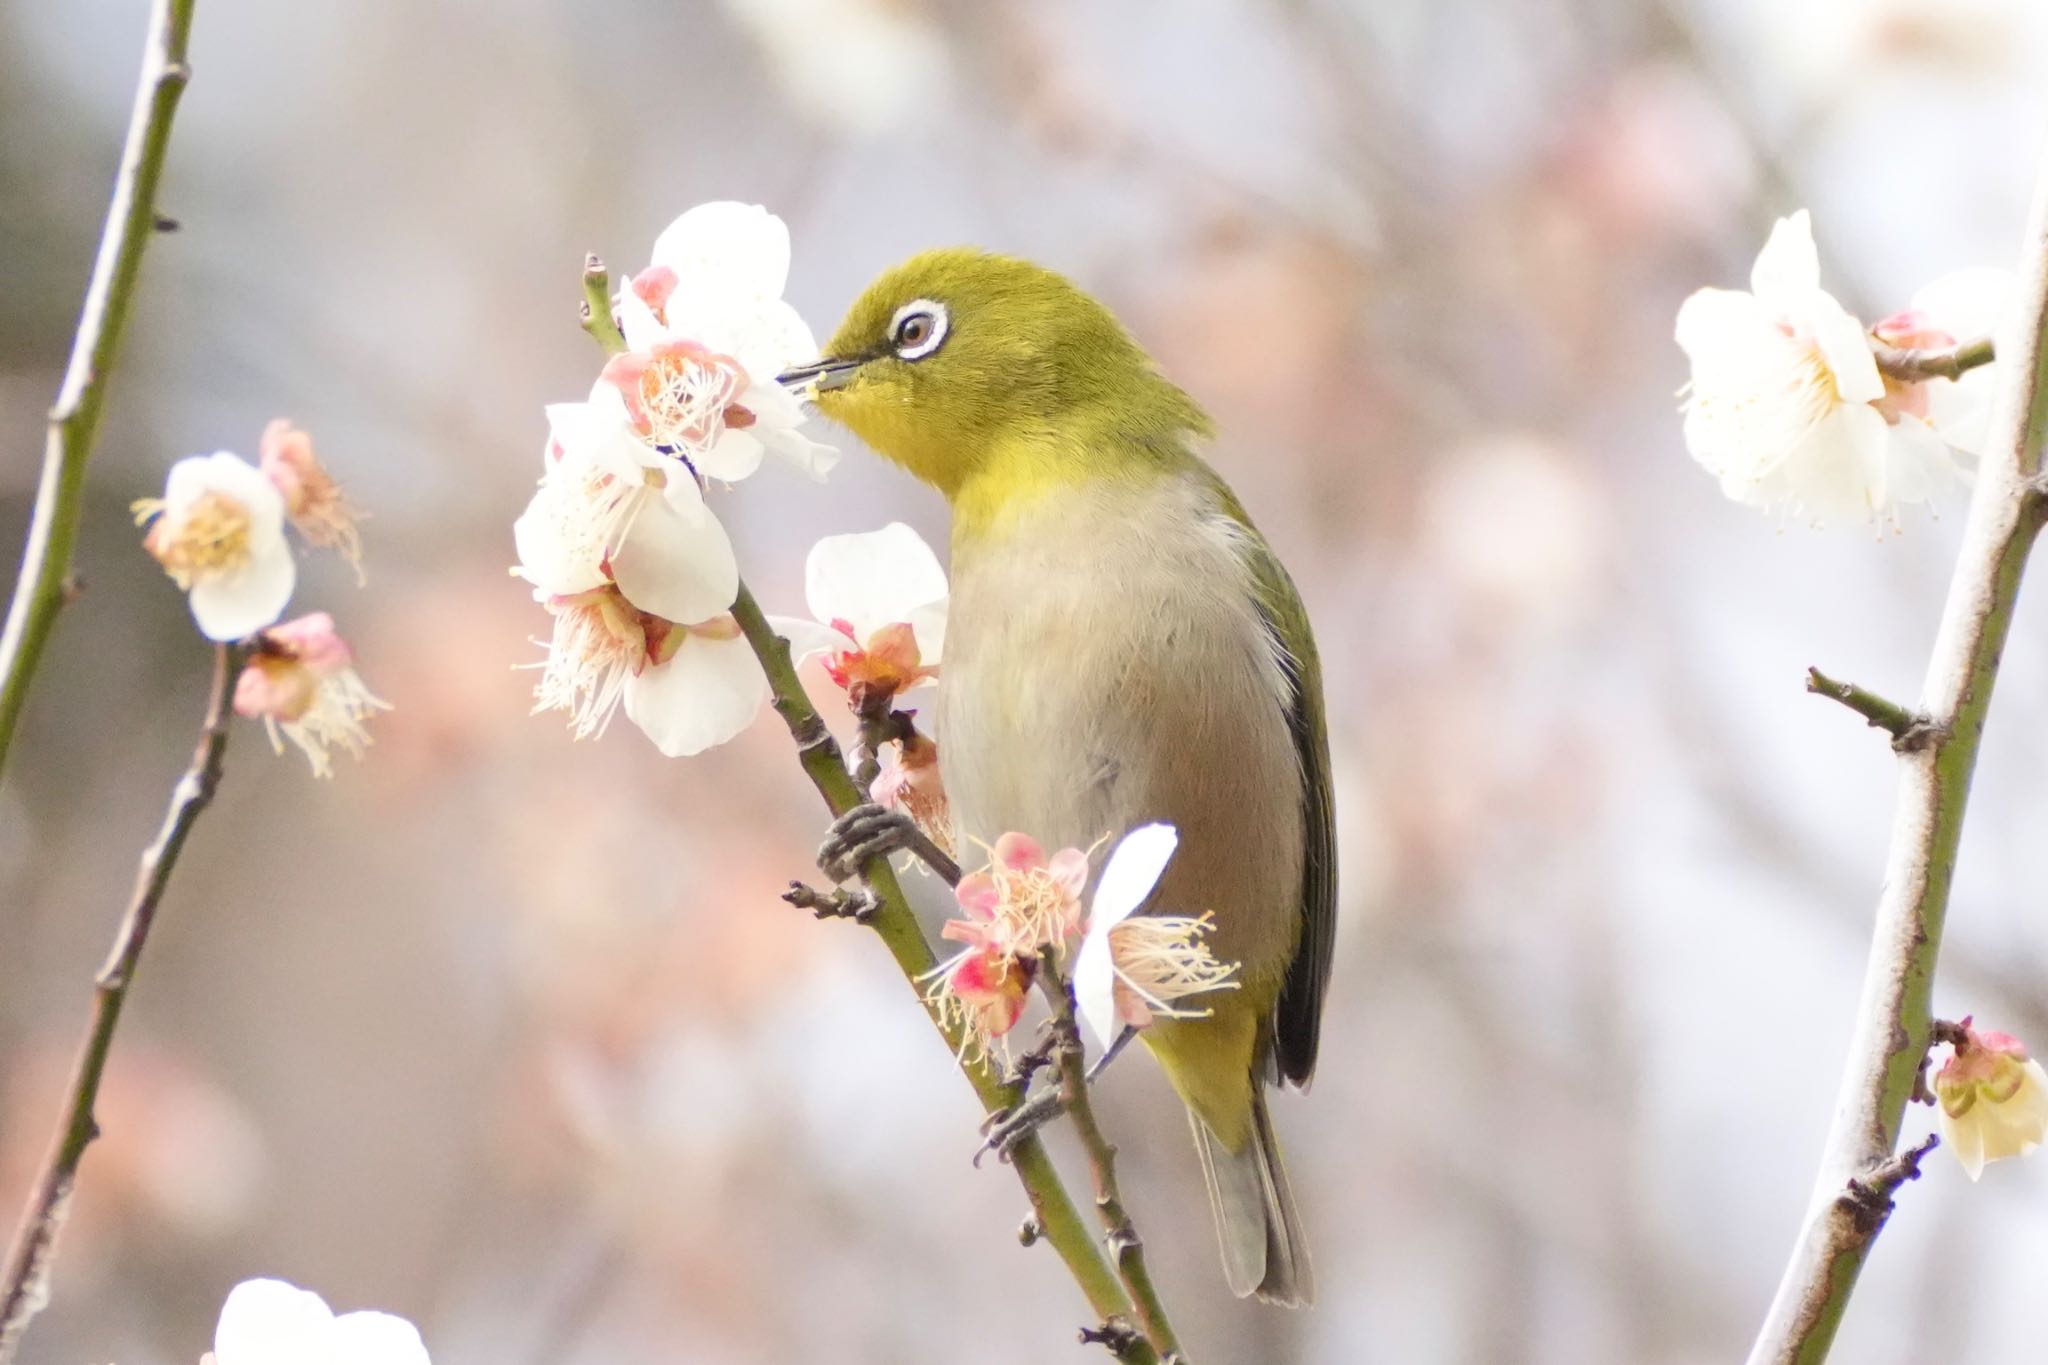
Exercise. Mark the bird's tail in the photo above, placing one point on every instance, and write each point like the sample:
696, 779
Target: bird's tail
1264, 1249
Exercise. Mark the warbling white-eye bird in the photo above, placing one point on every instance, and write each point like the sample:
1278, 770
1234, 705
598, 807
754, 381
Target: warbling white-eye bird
1122, 647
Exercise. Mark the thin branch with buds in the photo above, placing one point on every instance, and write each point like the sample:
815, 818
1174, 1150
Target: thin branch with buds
45, 584
1893, 1024
24, 1280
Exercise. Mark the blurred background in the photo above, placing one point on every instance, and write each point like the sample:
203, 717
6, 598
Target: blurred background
510, 1034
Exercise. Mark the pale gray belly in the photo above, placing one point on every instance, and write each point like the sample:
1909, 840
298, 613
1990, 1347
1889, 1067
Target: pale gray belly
1086, 694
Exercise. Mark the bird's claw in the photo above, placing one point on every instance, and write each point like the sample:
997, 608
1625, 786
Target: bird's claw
1003, 1131
872, 831
867, 831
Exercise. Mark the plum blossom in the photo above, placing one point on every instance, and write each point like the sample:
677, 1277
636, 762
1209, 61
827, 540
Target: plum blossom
910, 782
689, 687
1993, 1099
1020, 906
300, 680
878, 603
611, 510
1783, 404
707, 331
269, 1322
1958, 308
218, 531
1131, 968
312, 499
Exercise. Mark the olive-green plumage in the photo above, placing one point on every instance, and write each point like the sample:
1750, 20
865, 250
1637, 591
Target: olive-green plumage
1123, 647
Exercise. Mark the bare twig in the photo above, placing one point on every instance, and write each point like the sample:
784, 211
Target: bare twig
1909, 730
1913, 364
45, 583
1893, 1026
596, 310
24, 1281
1126, 1248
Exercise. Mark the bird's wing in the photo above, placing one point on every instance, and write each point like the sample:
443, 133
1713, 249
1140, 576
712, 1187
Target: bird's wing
1298, 1019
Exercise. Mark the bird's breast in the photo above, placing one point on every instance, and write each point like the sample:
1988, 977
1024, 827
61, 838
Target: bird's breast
1107, 665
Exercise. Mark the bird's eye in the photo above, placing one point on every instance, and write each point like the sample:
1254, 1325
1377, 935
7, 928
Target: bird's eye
918, 328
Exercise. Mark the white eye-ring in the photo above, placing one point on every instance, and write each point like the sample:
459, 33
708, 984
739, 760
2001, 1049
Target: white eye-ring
918, 328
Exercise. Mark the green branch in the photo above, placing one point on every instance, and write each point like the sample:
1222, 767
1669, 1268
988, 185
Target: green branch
45, 582
596, 310
1056, 1218
24, 1279
1893, 1024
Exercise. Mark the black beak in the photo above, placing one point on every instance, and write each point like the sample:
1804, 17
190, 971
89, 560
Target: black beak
820, 375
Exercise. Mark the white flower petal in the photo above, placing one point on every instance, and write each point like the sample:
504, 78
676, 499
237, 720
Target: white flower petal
811, 457
1788, 268
1968, 304
872, 579
236, 605
929, 621
808, 639
269, 1322
707, 693
769, 338
677, 562
1094, 982
734, 456
551, 556
1845, 345
1132, 872
637, 323
1964, 1139
1920, 463
723, 248
377, 1339
1961, 411
229, 474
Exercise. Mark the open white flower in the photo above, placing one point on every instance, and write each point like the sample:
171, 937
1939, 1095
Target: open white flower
269, 1322
1131, 968
878, 602
689, 687
218, 531
610, 509
1783, 401
707, 331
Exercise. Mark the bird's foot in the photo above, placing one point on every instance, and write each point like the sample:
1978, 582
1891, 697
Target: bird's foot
871, 831
1002, 1132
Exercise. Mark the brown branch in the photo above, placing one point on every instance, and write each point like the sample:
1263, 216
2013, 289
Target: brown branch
24, 1282
1126, 1248
1911, 365
1893, 1024
45, 584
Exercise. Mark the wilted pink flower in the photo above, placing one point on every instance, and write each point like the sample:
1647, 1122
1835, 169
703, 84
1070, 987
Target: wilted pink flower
312, 499
910, 782
300, 681
1993, 1099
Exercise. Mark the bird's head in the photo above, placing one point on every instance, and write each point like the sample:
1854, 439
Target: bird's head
958, 358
